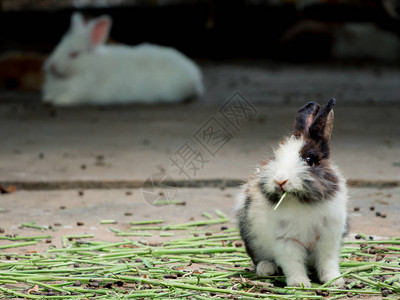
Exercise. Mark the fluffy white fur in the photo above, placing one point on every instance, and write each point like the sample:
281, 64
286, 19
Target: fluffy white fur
296, 235
82, 69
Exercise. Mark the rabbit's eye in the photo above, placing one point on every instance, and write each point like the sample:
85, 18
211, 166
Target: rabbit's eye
73, 54
311, 160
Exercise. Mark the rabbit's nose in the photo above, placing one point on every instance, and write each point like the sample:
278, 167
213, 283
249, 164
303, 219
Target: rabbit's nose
281, 182
53, 68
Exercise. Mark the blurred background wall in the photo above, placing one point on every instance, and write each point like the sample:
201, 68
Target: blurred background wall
203, 28
281, 30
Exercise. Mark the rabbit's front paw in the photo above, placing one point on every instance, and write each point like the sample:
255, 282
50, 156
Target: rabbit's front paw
338, 283
331, 275
265, 268
299, 281
64, 100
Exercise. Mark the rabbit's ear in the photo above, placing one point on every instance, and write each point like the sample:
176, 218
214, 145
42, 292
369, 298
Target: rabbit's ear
323, 123
99, 29
305, 117
77, 21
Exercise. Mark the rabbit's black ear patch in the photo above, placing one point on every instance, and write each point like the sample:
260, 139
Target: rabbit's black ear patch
322, 126
305, 117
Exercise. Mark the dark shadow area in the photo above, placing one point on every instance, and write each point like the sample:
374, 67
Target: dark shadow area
208, 29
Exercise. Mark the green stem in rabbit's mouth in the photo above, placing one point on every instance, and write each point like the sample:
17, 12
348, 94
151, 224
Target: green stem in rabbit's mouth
283, 196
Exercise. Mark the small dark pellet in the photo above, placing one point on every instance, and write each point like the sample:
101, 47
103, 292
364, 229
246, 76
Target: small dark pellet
372, 207
208, 234
357, 237
80, 193
119, 283
80, 223
356, 209
2, 230
378, 214
318, 292
238, 244
371, 237
83, 167
108, 285
224, 227
8, 257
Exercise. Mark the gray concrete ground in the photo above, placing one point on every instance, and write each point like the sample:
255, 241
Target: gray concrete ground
50, 155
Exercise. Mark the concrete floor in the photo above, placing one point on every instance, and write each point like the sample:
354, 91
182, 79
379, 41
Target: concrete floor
50, 155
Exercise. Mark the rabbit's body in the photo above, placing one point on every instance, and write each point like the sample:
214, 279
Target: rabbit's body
306, 229
110, 74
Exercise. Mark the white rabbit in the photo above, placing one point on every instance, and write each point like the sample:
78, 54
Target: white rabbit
306, 230
83, 70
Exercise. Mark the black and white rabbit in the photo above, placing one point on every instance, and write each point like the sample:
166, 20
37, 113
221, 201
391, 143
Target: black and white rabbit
306, 230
